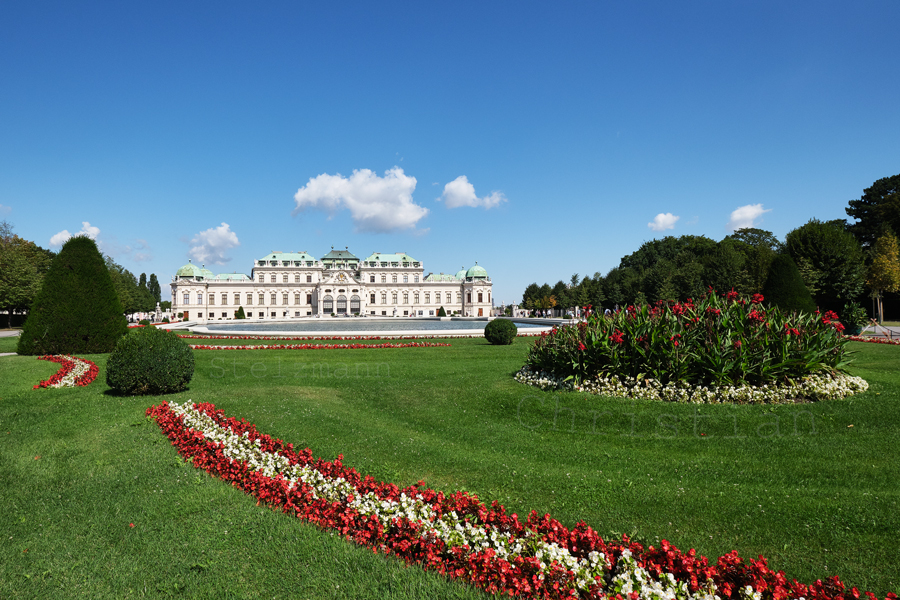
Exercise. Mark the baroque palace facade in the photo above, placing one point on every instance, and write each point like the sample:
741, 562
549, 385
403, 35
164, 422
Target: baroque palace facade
285, 285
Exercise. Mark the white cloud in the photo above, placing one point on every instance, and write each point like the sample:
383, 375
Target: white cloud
376, 204
663, 221
745, 216
58, 239
460, 192
211, 245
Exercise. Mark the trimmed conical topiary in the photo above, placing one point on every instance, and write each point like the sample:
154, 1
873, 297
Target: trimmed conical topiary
77, 310
785, 288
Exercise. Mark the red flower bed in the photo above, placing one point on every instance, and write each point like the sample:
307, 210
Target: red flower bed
319, 346
73, 371
871, 339
658, 572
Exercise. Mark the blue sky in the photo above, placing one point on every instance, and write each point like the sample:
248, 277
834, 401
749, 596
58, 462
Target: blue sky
539, 139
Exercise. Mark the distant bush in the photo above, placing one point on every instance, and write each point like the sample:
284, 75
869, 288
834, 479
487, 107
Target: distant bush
144, 322
150, 361
441, 312
77, 310
239, 313
784, 287
165, 320
500, 332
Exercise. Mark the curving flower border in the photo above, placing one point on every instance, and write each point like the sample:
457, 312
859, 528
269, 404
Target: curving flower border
318, 346
871, 339
336, 337
459, 536
73, 372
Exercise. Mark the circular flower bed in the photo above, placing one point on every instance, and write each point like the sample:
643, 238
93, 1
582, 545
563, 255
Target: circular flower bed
722, 348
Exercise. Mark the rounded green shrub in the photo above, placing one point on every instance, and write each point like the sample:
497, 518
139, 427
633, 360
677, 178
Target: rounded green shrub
144, 322
500, 332
150, 361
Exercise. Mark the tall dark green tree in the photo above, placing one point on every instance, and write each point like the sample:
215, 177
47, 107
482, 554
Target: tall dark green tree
77, 309
879, 206
784, 286
153, 286
836, 259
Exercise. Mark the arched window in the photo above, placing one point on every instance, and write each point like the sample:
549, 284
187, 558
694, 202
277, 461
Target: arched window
328, 304
341, 305
354, 305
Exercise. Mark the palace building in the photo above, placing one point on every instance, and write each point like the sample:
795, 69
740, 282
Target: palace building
287, 285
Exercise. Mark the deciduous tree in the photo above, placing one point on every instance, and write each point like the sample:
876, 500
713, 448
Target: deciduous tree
884, 272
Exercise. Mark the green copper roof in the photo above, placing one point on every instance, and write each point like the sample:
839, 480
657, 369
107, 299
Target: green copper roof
192, 270
286, 256
397, 257
476, 272
339, 255
461, 274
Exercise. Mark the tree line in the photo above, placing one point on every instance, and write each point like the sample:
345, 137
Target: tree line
839, 261
24, 264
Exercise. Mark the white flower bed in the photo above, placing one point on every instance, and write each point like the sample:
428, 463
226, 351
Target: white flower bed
820, 386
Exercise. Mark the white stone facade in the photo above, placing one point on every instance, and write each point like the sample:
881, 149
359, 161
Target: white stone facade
289, 285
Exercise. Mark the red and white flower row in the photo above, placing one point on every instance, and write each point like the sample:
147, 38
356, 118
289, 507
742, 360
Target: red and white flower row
73, 372
318, 346
871, 339
459, 536
335, 337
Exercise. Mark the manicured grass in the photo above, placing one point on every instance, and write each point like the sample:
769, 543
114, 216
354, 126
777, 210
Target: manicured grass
794, 483
8, 344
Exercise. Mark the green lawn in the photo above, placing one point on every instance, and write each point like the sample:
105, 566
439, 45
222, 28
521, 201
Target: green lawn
797, 484
8, 344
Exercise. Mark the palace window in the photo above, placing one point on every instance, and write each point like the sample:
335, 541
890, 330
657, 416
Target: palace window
274, 299
296, 277
469, 297
384, 279
224, 298
480, 298
297, 298
405, 297
284, 278
212, 298
309, 298
262, 299
489, 297
200, 298
416, 298
249, 298
187, 298
394, 298
237, 299
273, 278
309, 279
427, 298
406, 279
459, 297
393, 279
416, 278
371, 298
284, 298
384, 297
